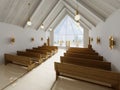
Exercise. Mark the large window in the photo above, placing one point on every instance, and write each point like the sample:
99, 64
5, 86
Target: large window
68, 33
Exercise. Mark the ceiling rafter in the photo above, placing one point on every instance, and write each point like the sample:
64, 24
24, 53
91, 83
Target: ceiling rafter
70, 7
82, 23
66, 12
30, 17
56, 23
55, 17
73, 10
52, 10
48, 14
85, 25
91, 10
37, 10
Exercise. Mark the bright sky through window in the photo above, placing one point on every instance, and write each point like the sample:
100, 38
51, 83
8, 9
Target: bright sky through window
68, 31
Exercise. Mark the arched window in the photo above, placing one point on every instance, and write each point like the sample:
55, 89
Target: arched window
68, 33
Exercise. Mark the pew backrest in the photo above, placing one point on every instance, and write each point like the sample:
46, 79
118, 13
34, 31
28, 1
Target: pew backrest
98, 76
84, 56
42, 51
86, 62
29, 54
82, 52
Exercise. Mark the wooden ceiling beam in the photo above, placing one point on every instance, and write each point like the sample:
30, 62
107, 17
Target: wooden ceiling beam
91, 10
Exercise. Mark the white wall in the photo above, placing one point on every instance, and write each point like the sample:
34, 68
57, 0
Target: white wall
104, 30
22, 39
86, 38
52, 38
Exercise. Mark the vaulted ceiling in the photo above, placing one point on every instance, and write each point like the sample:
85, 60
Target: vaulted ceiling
51, 12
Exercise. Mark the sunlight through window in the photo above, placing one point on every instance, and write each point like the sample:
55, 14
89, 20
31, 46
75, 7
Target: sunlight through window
68, 33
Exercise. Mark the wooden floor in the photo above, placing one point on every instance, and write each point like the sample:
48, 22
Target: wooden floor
43, 78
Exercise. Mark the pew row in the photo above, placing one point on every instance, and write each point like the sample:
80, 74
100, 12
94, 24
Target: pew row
52, 47
48, 48
97, 76
40, 52
82, 52
95, 57
42, 49
36, 56
80, 49
86, 62
20, 60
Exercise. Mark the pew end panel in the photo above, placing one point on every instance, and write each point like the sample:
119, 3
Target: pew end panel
95, 57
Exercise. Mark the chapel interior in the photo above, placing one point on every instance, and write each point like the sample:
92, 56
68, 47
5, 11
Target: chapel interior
59, 44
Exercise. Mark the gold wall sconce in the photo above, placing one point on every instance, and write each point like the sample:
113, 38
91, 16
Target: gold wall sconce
12, 40
91, 39
111, 42
98, 40
41, 38
32, 39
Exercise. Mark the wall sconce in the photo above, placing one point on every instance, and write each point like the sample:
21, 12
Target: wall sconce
12, 40
41, 38
91, 39
98, 40
111, 42
32, 39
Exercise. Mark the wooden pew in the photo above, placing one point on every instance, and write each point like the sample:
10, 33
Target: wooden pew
36, 56
82, 52
40, 52
52, 47
42, 49
95, 57
80, 49
47, 48
97, 76
86, 62
20, 60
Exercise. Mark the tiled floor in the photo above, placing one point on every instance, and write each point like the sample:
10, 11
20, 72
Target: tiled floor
71, 84
43, 77
9, 73
40, 78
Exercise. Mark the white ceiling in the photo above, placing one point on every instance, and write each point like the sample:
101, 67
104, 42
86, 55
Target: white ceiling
51, 12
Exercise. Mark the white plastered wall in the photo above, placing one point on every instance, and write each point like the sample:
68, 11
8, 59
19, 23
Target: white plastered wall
111, 27
22, 39
86, 38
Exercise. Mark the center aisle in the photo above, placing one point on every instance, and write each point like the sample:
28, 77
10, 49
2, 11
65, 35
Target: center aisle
40, 78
